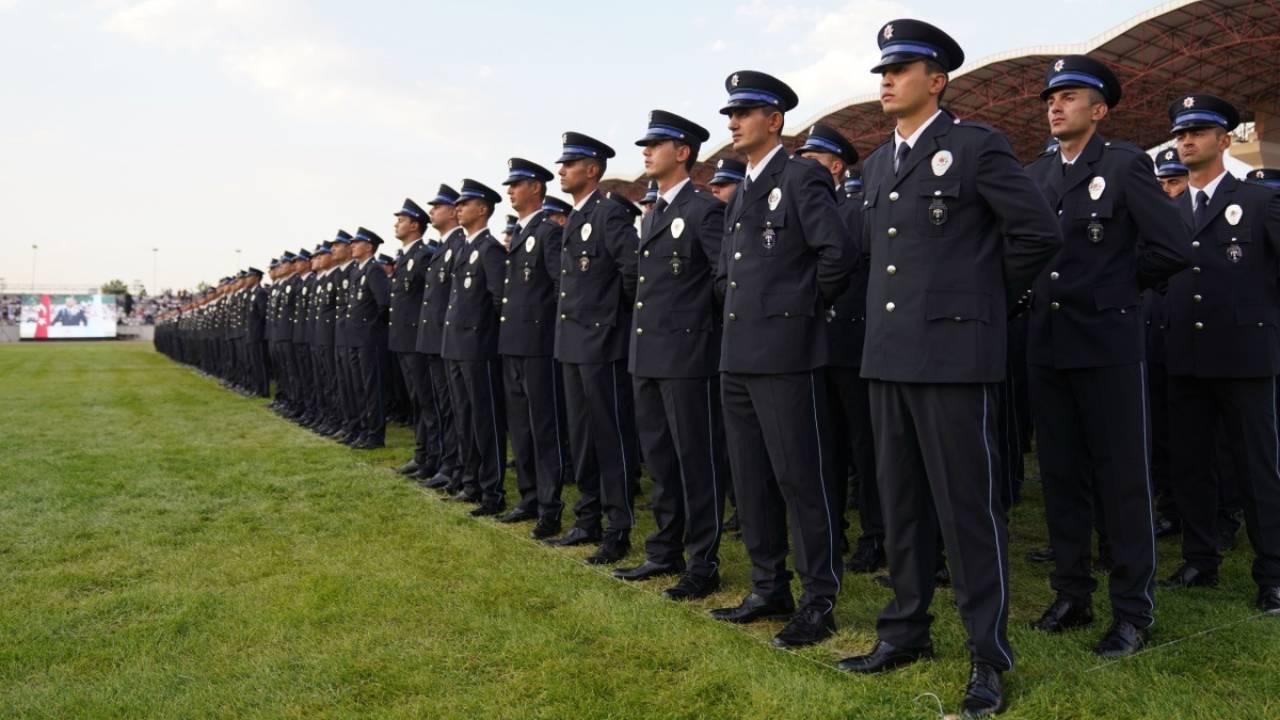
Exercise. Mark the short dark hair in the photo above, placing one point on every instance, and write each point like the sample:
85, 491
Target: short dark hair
601, 163
693, 156
933, 66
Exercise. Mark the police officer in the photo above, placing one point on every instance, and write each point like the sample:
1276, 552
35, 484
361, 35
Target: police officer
650, 197
673, 361
557, 210
955, 230
347, 372
326, 300
321, 339
255, 334
470, 349
368, 298
1171, 172
1267, 177
1088, 381
782, 262
532, 379
408, 280
847, 390
597, 288
300, 298
1222, 349
728, 175
442, 435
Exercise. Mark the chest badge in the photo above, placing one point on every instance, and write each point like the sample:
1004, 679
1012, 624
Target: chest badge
584, 263
676, 265
1097, 186
941, 163
938, 212
529, 243
466, 282
677, 228
528, 273
448, 255
585, 233
1235, 253
769, 240
1234, 213
410, 264
775, 198
1094, 231
475, 255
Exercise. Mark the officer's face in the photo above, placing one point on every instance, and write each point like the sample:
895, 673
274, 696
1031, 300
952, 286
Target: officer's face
472, 213
830, 161
1072, 111
559, 218
406, 228
361, 249
1200, 146
909, 88
575, 175
525, 195
725, 191
754, 128
1174, 186
443, 216
663, 158
341, 252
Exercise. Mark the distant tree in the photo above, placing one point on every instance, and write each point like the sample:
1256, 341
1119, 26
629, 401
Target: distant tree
114, 287
202, 286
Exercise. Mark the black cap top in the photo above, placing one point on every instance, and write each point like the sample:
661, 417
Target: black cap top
386, 259
555, 205
322, 249
343, 237
824, 138
287, 257
445, 196
302, 255
1197, 111
669, 126
729, 171
412, 211
578, 146
1168, 164
275, 263
520, 169
625, 203
852, 181
904, 41
369, 236
650, 194
1074, 71
1265, 176
512, 221
255, 271
473, 190
748, 89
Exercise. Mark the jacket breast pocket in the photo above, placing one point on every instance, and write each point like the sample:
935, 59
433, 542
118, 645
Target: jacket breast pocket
1091, 218
770, 231
1259, 315
936, 200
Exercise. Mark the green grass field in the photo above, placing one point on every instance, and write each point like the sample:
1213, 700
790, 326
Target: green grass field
170, 549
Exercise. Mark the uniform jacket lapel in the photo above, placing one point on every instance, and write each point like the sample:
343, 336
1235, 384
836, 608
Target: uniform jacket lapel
658, 224
929, 143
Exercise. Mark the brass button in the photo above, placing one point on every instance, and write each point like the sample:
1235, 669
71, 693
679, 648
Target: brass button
1199, 326
502, 319
641, 278
1055, 306
889, 306
893, 196
646, 253
733, 285
563, 316
639, 331
1195, 243
732, 316
504, 301
1196, 270
1054, 275
892, 269
893, 232
639, 305
1196, 298
737, 256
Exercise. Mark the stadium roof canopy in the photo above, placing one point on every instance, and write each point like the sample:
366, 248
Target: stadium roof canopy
1229, 48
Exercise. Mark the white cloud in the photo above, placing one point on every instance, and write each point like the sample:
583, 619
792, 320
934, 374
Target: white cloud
718, 46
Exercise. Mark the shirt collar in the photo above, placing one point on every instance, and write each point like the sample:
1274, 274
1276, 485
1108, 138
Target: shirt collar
915, 136
580, 205
1208, 189
523, 222
471, 238
366, 262
753, 171
670, 195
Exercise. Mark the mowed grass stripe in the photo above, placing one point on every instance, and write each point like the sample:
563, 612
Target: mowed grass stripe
171, 549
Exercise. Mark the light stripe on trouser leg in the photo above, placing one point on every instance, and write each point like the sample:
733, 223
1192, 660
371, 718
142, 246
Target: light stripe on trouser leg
1146, 479
1001, 560
822, 480
622, 446
497, 438
715, 482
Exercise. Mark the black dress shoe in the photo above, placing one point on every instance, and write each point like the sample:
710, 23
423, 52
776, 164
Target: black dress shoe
463, 496
518, 515
809, 626
693, 587
577, 536
1269, 599
885, 657
755, 607
487, 509
1188, 576
439, 481
648, 569
1064, 614
612, 549
409, 468
1043, 555
1166, 527
545, 529
1122, 639
869, 557
426, 472
368, 444
984, 695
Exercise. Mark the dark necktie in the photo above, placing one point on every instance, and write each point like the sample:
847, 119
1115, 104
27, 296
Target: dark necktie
1202, 203
1066, 168
746, 183
519, 229
901, 158
659, 206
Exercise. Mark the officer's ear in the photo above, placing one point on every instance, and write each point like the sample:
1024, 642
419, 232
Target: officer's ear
1224, 139
775, 120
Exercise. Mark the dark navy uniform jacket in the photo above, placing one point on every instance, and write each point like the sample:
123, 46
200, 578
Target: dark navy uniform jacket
1222, 310
368, 298
597, 283
475, 295
435, 293
292, 309
256, 314
530, 290
783, 261
306, 311
676, 322
406, 296
327, 289
1120, 234
342, 277
954, 236
847, 317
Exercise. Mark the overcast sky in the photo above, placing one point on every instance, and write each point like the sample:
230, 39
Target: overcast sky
200, 127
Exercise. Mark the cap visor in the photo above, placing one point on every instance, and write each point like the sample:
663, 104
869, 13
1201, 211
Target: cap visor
742, 105
896, 59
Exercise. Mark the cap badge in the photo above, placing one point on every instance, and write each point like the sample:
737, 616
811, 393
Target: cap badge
888, 31
1260, 174
733, 81
720, 163
1189, 102
1057, 67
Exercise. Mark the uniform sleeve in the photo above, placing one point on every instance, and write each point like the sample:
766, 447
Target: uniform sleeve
1031, 232
494, 273
1161, 232
624, 244
721, 270
823, 229
711, 233
1273, 222
552, 243
379, 284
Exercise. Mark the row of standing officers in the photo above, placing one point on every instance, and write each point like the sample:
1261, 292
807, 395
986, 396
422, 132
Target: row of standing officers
757, 342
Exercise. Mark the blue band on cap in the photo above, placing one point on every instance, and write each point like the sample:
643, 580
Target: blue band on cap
581, 150
757, 95
853, 182
1202, 115
1172, 167
899, 48
728, 175
322, 251
469, 194
668, 131
410, 213
823, 144
1269, 183
522, 173
442, 200
1073, 76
